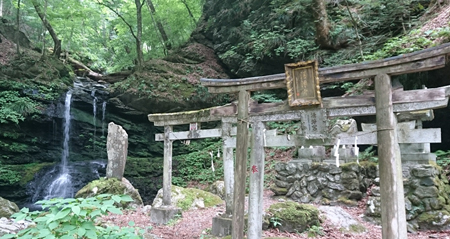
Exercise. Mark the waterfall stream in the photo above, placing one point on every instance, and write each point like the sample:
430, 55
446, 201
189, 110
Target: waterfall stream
64, 179
58, 182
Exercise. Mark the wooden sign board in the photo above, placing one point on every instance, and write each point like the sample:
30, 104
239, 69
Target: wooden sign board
302, 79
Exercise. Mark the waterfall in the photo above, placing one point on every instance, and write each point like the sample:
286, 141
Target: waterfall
103, 117
62, 185
94, 107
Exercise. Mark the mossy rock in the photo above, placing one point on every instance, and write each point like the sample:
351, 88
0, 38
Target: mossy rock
293, 216
434, 220
111, 186
7, 208
188, 198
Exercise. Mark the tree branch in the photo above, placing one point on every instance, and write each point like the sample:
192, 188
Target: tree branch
120, 16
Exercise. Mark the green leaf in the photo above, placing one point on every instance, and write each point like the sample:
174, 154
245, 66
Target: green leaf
91, 234
7, 236
43, 233
62, 214
66, 237
88, 225
116, 198
126, 198
114, 210
53, 225
68, 227
81, 231
76, 210
131, 223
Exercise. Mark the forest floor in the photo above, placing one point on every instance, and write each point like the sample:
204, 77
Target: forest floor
197, 223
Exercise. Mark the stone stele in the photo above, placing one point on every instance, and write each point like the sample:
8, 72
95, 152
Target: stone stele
117, 148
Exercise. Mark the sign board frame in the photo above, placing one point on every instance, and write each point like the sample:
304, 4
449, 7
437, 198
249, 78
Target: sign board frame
302, 82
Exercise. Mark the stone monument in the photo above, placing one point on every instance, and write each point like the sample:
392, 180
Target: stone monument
117, 148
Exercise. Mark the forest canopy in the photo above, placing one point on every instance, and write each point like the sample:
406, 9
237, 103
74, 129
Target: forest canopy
103, 32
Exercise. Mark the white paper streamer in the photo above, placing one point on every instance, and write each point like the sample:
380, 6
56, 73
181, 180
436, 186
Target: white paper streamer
336, 152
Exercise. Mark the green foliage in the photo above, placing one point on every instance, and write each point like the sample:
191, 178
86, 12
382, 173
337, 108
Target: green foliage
8, 176
266, 97
14, 108
284, 127
275, 221
315, 231
368, 155
74, 218
196, 165
443, 158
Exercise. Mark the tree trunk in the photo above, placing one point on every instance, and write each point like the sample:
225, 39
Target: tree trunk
189, 11
44, 32
140, 57
18, 29
322, 24
160, 27
56, 40
1, 8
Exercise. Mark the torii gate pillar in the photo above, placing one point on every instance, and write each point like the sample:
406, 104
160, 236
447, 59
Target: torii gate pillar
393, 216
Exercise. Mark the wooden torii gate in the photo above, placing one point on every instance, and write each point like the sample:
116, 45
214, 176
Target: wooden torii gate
312, 118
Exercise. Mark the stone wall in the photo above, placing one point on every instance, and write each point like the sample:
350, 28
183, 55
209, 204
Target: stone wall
323, 183
427, 200
427, 190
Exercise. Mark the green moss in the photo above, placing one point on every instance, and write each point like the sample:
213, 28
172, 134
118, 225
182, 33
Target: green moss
303, 214
433, 216
352, 166
347, 201
109, 186
29, 170
368, 164
191, 194
358, 228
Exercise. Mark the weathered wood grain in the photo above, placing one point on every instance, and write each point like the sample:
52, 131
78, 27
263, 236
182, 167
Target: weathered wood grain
393, 215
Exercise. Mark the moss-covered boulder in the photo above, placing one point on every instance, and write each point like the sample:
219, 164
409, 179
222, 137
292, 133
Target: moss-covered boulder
218, 188
111, 186
7, 208
188, 198
292, 216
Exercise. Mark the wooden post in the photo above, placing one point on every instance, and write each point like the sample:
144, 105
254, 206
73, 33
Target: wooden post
255, 205
241, 166
228, 168
393, 216
167, 174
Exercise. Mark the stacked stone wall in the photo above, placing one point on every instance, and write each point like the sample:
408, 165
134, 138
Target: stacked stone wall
426, 187
323, 183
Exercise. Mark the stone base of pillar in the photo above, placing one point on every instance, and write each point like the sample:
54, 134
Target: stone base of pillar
162, 215
221, 225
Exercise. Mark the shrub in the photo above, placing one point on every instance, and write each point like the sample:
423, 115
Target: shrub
74, 218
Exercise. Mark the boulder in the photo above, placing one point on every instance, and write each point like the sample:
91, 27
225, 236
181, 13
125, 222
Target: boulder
188, 198
111, 186
7, 208
218, 188
9, 226
342, 219
292, 216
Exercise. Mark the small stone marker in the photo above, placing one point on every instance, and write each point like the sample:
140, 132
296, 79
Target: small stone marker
117, 148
